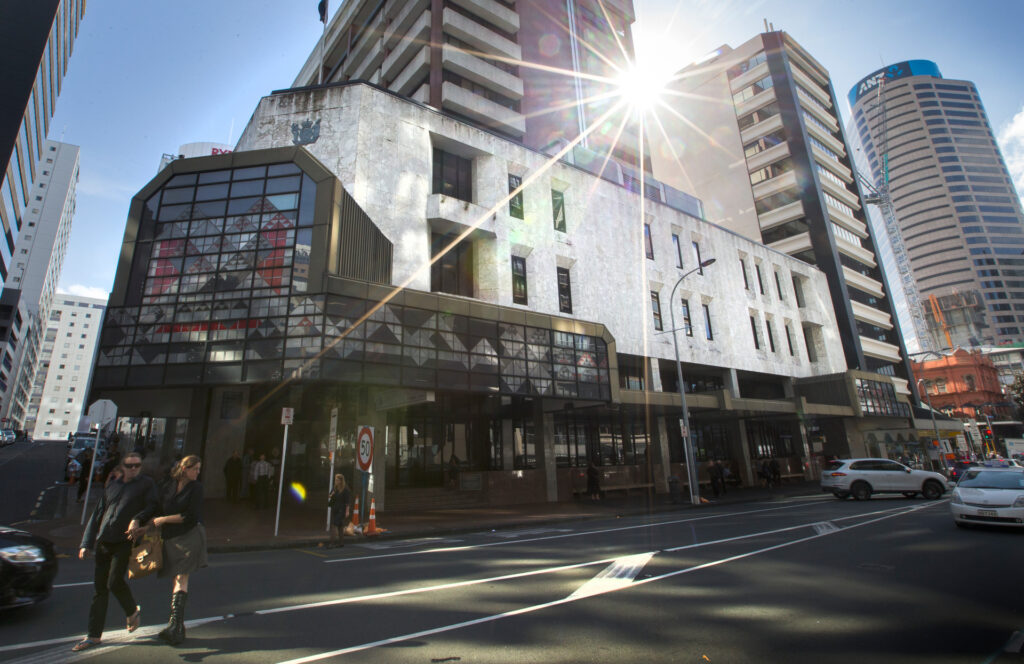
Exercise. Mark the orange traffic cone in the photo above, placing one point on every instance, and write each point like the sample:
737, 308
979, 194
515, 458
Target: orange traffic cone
371, 527
355, 513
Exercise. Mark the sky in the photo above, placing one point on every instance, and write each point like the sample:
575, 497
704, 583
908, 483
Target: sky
147, 77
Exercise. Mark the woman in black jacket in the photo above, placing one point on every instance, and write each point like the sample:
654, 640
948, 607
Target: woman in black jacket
184, 538
339, 502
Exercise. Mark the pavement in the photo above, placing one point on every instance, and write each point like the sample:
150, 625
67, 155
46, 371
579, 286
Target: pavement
238, 526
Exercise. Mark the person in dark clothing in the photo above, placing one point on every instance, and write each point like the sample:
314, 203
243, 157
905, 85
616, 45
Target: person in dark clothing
84, 459
261, 474
716, 473
184, 538
125, 505
339, 502
773, 468
593, 480
233, 476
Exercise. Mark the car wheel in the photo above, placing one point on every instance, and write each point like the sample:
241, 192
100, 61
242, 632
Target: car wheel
909, 494
860, 491
932, 490
841, 495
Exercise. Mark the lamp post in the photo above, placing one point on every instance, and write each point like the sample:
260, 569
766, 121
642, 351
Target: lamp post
935, 427
691, 462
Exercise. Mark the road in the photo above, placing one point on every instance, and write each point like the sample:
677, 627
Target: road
30, 473
804, 580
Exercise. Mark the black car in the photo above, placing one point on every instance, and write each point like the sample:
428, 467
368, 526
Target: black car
28, 565
956, 470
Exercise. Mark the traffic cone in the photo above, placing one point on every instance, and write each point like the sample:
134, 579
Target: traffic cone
371, 527
355, 513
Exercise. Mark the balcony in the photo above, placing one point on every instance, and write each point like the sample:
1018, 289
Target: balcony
825, 137
777, 184
765, 157
811, 86
841, 218
831, 164
479, 37
755, 102
793, 245
866, 314
413, 73
481, 71
822, 114
839, 191
862, 283
497, 15
482, 110
760, 129
411, 10
880, 350
451, 215
407, 48
781, 215
748, 77
857, 253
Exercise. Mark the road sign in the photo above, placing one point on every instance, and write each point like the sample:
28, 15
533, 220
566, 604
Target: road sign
364, 448
287, 415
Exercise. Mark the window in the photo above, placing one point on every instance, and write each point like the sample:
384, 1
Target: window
518, 280
760, 280
656, 309
452, 272
771, 337
696, 254
708, 333
687, 323
753, 329
564, 291
515, 204
558, 209
679, 250
789, 341
743, 269
778, 286
453, 175
648, 245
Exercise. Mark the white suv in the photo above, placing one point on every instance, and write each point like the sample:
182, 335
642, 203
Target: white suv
862, 477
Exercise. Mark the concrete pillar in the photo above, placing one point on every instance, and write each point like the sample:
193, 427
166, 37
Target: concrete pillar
508, 459
732, 383
660, 456
746, 467
655, 375
545, 452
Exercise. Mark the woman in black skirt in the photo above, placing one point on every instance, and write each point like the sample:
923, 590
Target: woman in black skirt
339, 501
184, 538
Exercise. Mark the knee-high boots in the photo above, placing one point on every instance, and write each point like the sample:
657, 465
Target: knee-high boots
174, 633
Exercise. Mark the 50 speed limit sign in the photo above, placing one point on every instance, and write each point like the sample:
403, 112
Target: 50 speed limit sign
364, 448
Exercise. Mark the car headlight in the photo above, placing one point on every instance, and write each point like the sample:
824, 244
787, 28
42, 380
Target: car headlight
1019, 502
957, 500
22, 554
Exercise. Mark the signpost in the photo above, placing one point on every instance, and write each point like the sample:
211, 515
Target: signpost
287, 417
332, 445
364, 459
102, 412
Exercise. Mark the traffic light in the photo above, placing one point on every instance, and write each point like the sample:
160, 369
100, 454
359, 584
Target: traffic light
988, 435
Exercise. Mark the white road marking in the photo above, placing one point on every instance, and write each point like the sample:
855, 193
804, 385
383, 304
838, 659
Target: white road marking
520, 533
825, 527
617, 575
406, 543
470, 547
572, 598
72, 585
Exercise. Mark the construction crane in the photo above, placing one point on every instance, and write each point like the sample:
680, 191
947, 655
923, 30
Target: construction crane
878, 195
940, 318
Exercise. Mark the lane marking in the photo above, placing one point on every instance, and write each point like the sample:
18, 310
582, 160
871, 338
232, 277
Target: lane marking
571, 598
617, 575
469, 547
825, 527
312, 553
402, 544
72, 585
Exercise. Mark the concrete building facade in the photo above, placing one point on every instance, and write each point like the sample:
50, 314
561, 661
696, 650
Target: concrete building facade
929, 139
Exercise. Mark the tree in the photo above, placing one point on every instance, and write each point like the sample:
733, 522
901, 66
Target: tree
1017, 392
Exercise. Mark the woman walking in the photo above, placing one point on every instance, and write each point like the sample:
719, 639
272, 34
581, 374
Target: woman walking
339, 501
184, 538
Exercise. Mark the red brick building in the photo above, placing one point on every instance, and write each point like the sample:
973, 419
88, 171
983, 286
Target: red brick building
963, 384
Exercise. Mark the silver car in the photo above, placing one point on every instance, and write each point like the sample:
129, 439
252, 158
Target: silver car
861, 478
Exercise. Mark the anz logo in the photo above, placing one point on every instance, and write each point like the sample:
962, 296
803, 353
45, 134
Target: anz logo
891, 72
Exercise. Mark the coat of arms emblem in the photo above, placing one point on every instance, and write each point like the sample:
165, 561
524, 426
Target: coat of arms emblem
306, 133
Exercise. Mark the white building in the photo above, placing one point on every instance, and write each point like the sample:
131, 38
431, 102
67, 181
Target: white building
66, 360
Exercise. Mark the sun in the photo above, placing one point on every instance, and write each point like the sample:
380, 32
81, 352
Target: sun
643, 86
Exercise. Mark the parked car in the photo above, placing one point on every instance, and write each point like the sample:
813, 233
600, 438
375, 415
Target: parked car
993, 496
861, 478
28, 565
8, 437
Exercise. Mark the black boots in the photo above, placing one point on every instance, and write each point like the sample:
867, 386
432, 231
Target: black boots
174, 633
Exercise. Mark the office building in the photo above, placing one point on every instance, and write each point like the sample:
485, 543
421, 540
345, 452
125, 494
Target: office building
762, 146
386, 268
928, 139
509, 67
66, 359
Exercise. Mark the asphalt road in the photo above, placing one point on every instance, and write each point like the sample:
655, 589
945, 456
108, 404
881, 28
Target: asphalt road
805, 580
29, 473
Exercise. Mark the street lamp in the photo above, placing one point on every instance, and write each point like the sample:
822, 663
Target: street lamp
935, 427
691, 462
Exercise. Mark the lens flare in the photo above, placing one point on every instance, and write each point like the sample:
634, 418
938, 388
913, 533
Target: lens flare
642, 86
299, 492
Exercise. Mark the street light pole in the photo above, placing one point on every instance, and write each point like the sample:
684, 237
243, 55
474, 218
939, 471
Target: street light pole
935, 427
691, 461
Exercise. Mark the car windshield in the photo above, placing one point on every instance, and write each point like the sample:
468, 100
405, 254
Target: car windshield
989, 479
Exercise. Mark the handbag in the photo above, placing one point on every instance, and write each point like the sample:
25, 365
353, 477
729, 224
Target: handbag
147, 555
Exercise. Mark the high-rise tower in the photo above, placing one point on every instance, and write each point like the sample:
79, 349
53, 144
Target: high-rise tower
929, 139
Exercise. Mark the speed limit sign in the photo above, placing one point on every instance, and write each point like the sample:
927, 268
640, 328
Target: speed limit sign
364, 448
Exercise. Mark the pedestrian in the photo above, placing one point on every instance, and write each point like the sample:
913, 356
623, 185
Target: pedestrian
765, 474
125, 505
233, 476
593, 481
84, 459
453, 471
116, 473
717, 477
773, 468
184, 536
341, 511
261, 473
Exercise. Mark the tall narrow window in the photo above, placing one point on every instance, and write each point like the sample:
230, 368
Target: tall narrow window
558, 209
746, 279
515, 204
708, 332
753, 329
798, 291
564, 291
789, 341
679, 250
518, 280
656, 309
687, 323
453, 175
778, 286
648, 245
696, 255
452, 272
771, 337
809, 343
760, 280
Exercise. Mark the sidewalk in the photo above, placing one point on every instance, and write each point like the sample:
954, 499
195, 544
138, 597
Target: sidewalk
239, 527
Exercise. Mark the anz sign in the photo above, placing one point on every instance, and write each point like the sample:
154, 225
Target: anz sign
870, 83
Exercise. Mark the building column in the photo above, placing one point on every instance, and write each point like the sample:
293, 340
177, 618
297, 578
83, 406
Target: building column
746, 466
508, 452
436, 79
660, 456
544, 426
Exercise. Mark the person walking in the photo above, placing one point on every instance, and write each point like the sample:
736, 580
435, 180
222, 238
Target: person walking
716, 474
593, 480
233, 476
341, 511
776, 473
184, 537
84, 459
125, 505
261, 474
